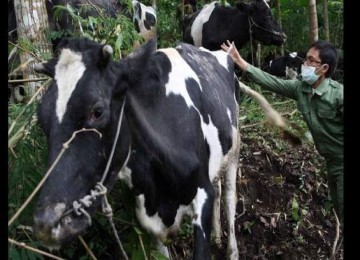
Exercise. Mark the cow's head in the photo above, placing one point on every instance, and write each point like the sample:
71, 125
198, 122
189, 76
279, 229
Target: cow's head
262, 24
293, 63
88, 90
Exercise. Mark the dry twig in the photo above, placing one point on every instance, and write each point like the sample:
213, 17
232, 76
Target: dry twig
87, 248
335, 248
12, 241
26, 80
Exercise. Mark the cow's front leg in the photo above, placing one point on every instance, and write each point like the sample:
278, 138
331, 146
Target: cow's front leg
217, 213
202, 221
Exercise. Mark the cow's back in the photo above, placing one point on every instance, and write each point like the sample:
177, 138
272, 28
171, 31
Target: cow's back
211, 88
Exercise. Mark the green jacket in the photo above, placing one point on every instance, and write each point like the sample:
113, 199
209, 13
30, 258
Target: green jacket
323, 112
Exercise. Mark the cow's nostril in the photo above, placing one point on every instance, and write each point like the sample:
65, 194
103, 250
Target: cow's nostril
43, 221
47, 218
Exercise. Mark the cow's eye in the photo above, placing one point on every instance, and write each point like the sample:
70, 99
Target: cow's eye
97, 113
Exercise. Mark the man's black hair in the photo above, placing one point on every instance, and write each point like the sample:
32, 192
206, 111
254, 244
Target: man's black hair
328, 55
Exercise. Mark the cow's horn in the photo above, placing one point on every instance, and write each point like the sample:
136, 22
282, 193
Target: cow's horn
107, 51
45, 67
39, 67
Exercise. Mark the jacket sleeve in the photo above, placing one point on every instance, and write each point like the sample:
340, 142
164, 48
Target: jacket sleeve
284, 87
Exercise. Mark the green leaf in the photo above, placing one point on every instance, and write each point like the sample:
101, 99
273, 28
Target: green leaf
138, 231
295, 209
156, 255
119, 42
14, 254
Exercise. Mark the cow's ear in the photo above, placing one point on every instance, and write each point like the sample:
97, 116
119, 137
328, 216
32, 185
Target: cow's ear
141, 56
105, 56
47, 67
243, 7
148, 48
139, 62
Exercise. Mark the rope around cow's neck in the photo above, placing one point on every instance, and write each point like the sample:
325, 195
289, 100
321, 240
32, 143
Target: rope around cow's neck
251, 23
262, 28
101, 190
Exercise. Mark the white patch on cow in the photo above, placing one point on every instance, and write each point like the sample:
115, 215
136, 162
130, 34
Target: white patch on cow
265, 1
290, 73
197, 26
177, 85
220, 55
125, 175
211, 135
59, 209
180, 71
293, 54
68, 72
270, 63
125, 172
154, 224
198, 204
231, 161
228, 112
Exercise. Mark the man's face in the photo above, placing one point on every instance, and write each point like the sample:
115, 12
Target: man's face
313, 59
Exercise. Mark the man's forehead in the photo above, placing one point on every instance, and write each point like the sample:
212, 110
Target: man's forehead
312, 52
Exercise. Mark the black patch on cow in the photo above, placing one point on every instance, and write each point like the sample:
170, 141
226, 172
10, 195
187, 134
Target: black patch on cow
136, 24
215, 102
149, 21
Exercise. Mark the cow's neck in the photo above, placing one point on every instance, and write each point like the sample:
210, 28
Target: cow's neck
241, 38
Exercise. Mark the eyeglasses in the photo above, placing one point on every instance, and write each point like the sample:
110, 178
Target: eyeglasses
311, 61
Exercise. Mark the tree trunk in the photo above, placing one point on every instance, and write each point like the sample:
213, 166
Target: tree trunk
277, 3
326, 20
314, 34
32, 21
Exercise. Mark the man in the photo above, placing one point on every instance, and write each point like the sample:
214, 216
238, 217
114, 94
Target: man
319, 99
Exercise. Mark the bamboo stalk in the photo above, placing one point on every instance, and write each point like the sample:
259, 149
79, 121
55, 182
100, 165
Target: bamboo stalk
26, 80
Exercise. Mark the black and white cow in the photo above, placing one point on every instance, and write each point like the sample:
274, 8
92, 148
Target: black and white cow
145, 20
178, 135
214, 24
287, 66
144, 17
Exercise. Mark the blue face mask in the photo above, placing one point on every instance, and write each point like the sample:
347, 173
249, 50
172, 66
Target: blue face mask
308, 74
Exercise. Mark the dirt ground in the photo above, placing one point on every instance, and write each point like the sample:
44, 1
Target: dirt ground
283, 209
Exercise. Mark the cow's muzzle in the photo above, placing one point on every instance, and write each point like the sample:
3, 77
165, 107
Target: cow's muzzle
53, 228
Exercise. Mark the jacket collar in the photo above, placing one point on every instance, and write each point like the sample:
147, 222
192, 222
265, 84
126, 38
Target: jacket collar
321, 89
